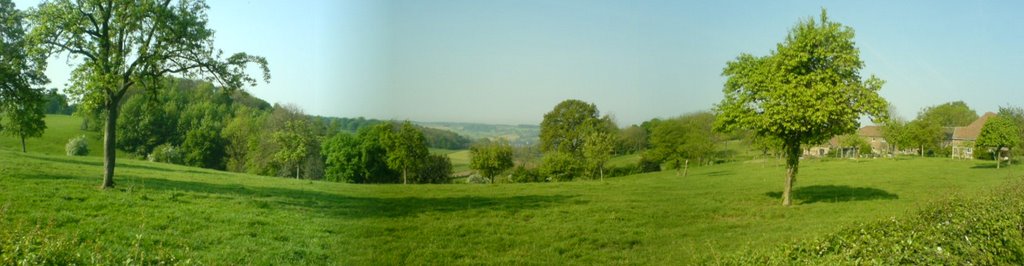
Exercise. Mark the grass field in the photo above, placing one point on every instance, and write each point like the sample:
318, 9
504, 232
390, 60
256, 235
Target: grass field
163, 212
59, 128
219, 217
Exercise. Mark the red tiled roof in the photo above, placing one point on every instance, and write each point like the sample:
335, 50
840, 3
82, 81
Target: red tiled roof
971, 132
870, 131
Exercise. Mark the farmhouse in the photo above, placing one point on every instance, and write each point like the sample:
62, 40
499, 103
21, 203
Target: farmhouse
962, 138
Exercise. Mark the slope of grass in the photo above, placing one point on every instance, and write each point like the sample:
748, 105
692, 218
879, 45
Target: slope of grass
164, 212
59, 129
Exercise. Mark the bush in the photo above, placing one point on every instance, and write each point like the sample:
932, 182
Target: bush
437, 169
647, 165
561, 166
975, 230
77, 146
166, 153
477, 179
521, 174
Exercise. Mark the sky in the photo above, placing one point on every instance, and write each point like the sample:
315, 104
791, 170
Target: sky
509, 62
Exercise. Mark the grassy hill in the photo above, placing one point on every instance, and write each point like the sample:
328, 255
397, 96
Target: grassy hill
59, 128
167, 212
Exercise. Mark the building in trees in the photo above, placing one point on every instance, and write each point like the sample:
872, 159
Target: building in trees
963, 138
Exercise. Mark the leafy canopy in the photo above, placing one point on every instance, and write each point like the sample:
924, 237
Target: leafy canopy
805, 91
998, 132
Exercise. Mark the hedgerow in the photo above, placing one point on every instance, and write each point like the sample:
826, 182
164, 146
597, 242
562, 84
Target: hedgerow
960, 230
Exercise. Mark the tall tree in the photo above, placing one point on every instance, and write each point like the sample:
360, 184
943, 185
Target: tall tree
133, 44
998, 133
21, 105
951, 114
804, 92
894, 131
406, 149
490, 157
924, 134
562, 128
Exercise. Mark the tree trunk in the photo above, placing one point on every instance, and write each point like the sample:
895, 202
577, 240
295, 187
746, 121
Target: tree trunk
792, 164
296, 172
109, 141
686, 167
23, 150
999, 156
601, 170
405, 177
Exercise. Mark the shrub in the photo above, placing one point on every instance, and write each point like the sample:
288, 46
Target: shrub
436, 169
166, 153
975, 230
477, 179
561, 166
521, 174
647, 165
77, 146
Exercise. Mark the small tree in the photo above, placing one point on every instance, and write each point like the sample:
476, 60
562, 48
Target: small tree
491, 158
805, 92
294, 143
24, 119
894, 131
597, 150
998, 133
923, 133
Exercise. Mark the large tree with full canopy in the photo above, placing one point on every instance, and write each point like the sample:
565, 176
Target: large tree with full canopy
806, 91
131, 44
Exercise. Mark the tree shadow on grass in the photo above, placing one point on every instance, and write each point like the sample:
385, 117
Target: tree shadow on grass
832, 193
350, 206
119, 165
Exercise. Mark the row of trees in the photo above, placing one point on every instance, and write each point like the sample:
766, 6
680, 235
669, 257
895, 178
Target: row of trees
384, 153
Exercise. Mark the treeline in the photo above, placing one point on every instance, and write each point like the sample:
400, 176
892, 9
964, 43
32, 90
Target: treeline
436, 138
196, 124
576, 142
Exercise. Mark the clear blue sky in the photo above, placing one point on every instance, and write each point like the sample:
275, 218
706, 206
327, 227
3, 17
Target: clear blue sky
511, 61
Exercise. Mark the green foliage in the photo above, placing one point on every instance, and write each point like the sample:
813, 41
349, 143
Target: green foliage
561, 166
57, 103
998, 133
521, 174
951, 114
406, 148
166, 153
631, 140
804, 92
490, 158
435, 169
77, 146
895, 132
597, 150
122, 46
686, 137
23, 118
1016, 116
343, 159
294, 142
924, 134
372, 156
564, 129
963, 230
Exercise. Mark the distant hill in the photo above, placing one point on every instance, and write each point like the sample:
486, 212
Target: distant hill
436, 137
519, 135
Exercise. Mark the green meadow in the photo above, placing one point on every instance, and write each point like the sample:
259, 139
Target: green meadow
51, 206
